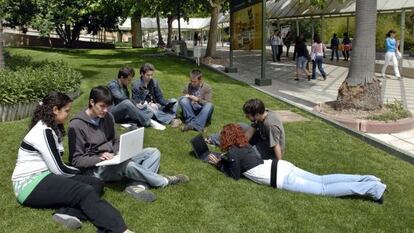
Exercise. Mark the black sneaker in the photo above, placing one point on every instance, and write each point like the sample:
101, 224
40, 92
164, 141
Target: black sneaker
68, 221
177, 179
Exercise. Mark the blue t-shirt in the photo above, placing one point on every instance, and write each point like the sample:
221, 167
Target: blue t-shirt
390, 44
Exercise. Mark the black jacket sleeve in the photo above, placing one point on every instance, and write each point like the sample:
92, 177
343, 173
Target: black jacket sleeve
230, 166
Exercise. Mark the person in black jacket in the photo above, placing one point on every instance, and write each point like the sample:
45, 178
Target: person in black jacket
334, 47
242, 160
303, 57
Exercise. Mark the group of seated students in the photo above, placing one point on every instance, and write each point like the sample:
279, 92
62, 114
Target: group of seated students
42, 180
148, 107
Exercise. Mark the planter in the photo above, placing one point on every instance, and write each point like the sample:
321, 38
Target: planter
16, 111
13, 112
370, 126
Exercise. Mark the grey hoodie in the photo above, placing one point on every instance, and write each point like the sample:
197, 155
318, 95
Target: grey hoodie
88, 141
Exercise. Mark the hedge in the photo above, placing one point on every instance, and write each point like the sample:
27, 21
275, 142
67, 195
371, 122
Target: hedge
24, 81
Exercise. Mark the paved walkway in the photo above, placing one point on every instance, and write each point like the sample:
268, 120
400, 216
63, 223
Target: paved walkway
308, 93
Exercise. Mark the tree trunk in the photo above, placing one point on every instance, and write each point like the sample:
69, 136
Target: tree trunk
212, 35
170, 20
1, 46
160, 40
136, 31
361, 90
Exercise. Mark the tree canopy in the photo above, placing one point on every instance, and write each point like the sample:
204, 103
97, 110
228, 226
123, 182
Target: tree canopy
66, 17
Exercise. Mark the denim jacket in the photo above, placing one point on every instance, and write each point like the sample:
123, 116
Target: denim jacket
119, 93
140, 93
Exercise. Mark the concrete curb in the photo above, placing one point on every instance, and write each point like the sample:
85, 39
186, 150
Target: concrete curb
362, 136
370, 126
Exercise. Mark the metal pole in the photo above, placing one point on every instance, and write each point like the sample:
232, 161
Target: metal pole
313, 31
347, 25
322, 27
179, 23
263, 81
263, 73
402, 38
222, 34
230, 68
297, 28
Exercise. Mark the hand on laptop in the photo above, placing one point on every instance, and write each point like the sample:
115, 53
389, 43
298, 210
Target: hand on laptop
213, 159
106, 156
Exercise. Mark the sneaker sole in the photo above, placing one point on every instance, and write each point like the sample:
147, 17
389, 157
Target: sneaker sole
145, 196
69, 223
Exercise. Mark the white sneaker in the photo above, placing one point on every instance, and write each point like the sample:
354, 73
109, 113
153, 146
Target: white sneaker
156, 125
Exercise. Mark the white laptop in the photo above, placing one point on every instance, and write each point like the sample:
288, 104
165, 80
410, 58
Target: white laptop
131, 144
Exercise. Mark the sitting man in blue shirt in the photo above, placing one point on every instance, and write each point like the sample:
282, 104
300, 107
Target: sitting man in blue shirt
147, 91
126, 110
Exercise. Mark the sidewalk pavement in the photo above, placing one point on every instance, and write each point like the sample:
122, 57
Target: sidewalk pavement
306, 94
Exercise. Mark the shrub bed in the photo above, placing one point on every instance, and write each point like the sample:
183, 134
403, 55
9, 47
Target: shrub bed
25, 81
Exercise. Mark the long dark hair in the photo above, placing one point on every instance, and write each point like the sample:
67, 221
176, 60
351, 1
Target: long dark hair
392, 31
44, 112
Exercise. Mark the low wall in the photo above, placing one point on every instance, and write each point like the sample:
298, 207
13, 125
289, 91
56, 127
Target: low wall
21, 40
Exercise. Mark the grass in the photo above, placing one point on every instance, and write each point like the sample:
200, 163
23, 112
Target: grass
393, 111
211, 202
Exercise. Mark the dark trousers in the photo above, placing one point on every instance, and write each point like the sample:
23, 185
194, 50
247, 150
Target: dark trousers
335, 52
77, 196
279, 52
346, 55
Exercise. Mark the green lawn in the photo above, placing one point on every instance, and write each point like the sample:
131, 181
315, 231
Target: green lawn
211, 202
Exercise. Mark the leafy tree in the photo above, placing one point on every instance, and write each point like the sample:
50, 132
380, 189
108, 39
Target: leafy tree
67, 17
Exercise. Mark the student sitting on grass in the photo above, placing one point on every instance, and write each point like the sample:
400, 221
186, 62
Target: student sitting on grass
42, 180
146, 90
196, 103
92, 139
241, 159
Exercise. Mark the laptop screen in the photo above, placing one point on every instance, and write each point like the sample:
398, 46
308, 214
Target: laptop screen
199, 145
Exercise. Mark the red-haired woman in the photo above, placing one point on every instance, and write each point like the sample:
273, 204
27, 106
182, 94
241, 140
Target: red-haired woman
242, 159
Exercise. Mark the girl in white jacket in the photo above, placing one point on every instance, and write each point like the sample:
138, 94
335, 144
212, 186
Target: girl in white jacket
41, 179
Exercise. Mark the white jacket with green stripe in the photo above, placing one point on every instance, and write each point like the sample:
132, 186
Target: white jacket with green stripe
40, 151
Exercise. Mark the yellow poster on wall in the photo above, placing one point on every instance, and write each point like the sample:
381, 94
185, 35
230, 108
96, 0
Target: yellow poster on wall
247, 28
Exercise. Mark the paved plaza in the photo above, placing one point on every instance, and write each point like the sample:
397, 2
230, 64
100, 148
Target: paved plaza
306, 94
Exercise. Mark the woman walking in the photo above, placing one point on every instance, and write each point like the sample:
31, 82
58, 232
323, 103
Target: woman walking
391, 47
318, 51
346, 45
41, 179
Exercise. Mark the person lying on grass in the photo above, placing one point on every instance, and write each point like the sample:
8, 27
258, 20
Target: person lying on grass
242, 159
41, 179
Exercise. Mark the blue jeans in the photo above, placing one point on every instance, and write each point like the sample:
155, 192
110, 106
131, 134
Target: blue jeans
335, 185
318, 62
196, 115
275, 49
127, 112
165, 116
143, 167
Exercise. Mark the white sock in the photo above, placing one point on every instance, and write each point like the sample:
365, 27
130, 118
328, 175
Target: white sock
156, 125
